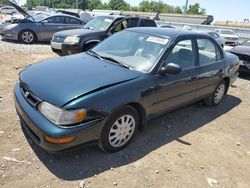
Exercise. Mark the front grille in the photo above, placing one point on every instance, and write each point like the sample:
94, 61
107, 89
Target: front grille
30, 97
58, 39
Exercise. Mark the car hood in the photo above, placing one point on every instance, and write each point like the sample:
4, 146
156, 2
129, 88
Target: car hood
74, 32
19, 9
61, 80
243, 50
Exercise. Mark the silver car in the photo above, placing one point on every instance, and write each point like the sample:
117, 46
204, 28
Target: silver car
40, 27
229, 35
7, 10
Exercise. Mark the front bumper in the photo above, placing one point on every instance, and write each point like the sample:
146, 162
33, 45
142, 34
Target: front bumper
65, 49
8, 34
231, 42
37, 127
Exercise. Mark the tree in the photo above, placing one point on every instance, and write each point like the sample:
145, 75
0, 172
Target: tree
196, 9
94, 4
119, 5
178, 10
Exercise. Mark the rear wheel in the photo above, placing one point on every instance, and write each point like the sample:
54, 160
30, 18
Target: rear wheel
27, 36
217, 96
119, 129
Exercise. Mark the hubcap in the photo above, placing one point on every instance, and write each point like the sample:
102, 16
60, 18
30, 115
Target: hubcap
121, 131
219, 93
27, 37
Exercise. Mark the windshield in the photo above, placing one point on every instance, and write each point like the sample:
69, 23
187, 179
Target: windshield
137, 51
227, 32
99, 23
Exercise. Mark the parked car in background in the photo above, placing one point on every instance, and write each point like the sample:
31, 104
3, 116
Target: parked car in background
243, 52
68, 12
166, 26
229, 35
218, 38
39, 27
105, 94
215, 36
97, 29
7, 10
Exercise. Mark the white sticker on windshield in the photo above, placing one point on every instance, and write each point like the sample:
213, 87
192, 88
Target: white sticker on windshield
108, 20
157, 40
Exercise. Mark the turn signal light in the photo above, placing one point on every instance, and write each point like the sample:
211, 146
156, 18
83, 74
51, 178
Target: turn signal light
63, 140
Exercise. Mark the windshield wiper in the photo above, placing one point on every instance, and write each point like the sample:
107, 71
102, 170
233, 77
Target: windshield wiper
116, 61
93, 53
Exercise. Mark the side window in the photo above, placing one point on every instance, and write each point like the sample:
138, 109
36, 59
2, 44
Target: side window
127, 23
182, 54
56, 19
208, 52
69, 20
147, 23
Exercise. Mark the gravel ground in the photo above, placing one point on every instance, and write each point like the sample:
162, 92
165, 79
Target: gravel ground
10, 47
195, 146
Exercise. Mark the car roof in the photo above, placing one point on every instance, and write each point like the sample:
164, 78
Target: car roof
60, 14
165, 32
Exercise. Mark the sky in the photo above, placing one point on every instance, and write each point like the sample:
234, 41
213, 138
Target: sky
221, 9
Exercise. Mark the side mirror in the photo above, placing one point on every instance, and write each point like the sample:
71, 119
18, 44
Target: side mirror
44, 21
171, 68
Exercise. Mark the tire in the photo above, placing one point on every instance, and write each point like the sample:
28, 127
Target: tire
27, 37
217, 96
119, 129
89, 46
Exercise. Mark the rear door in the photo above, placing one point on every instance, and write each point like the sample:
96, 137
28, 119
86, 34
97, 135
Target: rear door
210, 66
173, 90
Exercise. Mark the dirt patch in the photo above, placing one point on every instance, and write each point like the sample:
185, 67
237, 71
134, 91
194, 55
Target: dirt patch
195, 146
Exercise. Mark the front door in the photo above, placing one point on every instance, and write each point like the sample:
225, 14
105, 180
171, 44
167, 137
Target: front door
51, 25
173, 90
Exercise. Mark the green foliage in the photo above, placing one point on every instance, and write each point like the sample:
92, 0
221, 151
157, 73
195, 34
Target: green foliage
3, 2
196, 9
119, 5
144, 6
153, 6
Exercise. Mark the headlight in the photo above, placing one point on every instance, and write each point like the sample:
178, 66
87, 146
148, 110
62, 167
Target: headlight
10, 26
72, 39
60, 116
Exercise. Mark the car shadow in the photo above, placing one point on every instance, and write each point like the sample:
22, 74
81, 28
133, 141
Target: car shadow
87, 162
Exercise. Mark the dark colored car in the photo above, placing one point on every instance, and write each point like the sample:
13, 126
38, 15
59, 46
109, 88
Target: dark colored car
39, 27
97, 29
243, 52
106, 94
68, 12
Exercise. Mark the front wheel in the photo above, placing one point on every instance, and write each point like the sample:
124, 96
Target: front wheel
216, 97
119, 129
27, 37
